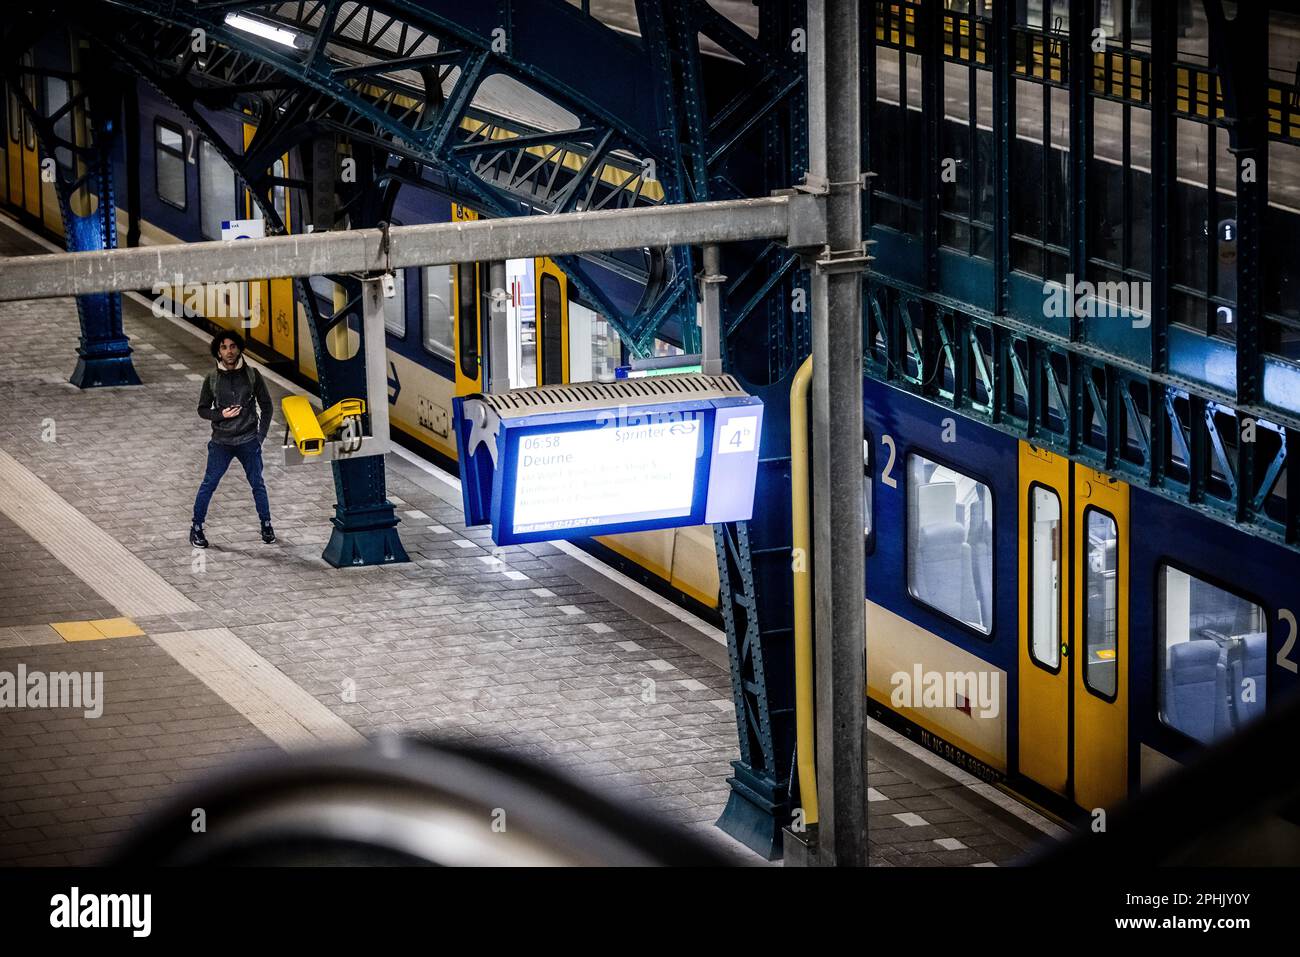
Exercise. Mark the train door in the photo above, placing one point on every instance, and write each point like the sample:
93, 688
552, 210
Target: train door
1073, 635
467, 332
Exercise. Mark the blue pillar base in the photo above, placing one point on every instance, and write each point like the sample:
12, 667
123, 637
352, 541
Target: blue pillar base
365, 537
109, 367
756, 812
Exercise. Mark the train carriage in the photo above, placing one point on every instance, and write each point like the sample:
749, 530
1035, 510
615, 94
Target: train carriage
1109, 634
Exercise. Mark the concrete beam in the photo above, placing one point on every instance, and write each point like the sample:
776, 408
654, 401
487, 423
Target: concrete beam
795, 218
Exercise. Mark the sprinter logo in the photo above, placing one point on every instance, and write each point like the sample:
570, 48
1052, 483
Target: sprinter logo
975, 692
73, 910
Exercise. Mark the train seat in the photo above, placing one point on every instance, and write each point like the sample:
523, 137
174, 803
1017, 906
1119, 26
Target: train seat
943, 576
1250, 661
1196, 690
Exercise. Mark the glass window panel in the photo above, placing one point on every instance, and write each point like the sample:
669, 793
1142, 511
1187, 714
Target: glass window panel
467, 317
278, 192
1212, 658
56, 98
521, 320
913, 81
1189, 207
1045, 577
1101, 602
956, 92
552, 336
1282, 225
1105, 182
1193, 32
15, 115
1139, 23
981, 177
29, 88
1044, 15
950, 542
866, 484
395, 307
169, 163
1139, 193
216, 191
1110, 18
1283, 50
887, 74
438, 299
606, 349
170, 138
1029, 110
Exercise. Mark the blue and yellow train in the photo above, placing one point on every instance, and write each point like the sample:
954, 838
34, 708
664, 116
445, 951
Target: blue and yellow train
1111, 633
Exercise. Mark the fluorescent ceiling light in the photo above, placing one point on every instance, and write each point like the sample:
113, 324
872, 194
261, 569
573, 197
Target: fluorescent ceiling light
263, 29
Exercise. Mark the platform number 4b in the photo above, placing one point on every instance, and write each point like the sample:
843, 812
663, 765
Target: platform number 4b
738, 434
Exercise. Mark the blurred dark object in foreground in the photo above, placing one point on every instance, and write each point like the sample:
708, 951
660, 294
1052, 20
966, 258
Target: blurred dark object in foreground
1239, 806
398, 803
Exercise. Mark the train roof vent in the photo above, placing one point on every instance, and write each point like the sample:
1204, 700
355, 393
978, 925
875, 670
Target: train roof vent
651, 390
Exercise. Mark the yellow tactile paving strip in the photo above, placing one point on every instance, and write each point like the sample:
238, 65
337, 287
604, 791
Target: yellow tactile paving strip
267, 697
97, 630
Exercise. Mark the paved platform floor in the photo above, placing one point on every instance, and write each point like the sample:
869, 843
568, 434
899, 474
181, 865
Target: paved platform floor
247, 648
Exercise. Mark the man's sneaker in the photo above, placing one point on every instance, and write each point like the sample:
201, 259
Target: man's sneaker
197, 538
268, 533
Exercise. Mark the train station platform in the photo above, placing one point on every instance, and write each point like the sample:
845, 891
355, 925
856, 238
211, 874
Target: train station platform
244, 649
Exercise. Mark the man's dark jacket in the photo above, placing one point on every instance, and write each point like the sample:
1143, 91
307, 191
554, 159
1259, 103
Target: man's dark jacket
240, 387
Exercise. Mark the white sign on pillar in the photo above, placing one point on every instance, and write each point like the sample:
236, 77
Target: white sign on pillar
244, 229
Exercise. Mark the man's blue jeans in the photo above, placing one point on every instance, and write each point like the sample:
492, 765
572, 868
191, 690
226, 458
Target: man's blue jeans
219, 457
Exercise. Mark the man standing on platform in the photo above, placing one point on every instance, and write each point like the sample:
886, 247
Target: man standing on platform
238, 430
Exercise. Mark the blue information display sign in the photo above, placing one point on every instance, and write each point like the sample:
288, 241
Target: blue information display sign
559, 462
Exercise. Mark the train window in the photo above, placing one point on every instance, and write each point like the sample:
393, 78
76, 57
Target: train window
1101, 603
521, 323
595, 349
278, 192
437, 310
467, 319
606, 349
1212, 656
552, 334
56, 98
395, 307
169, 164
29, 88
1045, 577
15, 115
866, 483
216, 191
950, 542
